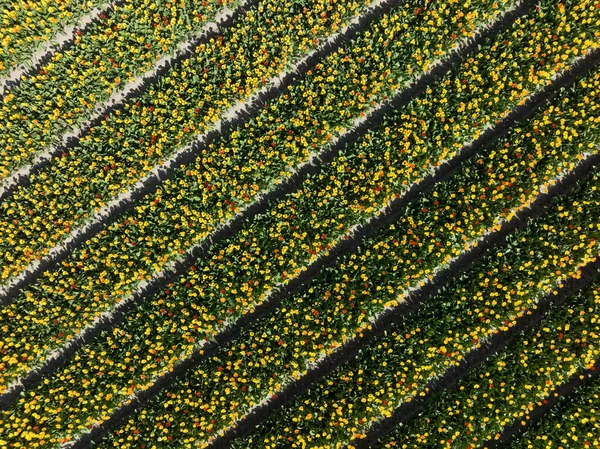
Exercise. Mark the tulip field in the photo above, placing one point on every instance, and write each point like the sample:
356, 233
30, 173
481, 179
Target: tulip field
300, 224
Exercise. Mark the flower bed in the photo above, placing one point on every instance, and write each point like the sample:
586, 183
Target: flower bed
574, 422
487, 299
128, 145
161, 332
251, 266
140, 243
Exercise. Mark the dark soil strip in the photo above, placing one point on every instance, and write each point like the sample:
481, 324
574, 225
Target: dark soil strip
201, 251
153, 182
497, 343
54, 48
298, 284
388, 319
562, 392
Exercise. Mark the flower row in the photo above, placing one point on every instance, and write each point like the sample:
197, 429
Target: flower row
188, 100
573, 423
168, 328
182, 213
312, 324
27, 25
508, 386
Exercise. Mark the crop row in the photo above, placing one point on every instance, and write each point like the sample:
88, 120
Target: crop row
511, 384
27, 25
139, 244
574, 422
338, 305
124, 44
169, 327
127, 145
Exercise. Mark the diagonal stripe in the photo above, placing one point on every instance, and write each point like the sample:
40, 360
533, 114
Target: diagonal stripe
275, 295
238, 115
564, 390
408, 302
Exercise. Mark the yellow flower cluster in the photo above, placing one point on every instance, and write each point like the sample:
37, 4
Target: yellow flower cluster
61, 289
508, 387
124, 44
162, 226
574, 424
26, 25
90, 181
168, 357
273, 247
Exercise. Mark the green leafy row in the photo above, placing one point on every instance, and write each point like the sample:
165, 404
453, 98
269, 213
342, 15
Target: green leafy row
573, 423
